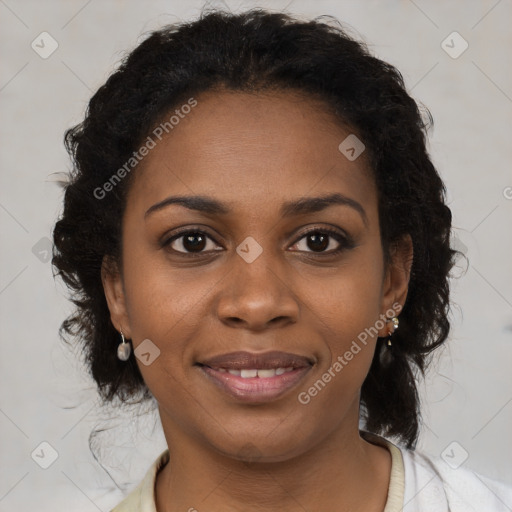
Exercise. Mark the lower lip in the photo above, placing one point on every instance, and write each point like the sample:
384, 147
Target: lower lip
256, 389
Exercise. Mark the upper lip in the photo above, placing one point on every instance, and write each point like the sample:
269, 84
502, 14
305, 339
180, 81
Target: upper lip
250, 360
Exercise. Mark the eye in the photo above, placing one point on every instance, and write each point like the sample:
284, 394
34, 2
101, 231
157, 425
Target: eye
190, 242
318, 240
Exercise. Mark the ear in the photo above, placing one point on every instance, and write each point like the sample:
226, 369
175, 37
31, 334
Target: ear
396, 281
115, 295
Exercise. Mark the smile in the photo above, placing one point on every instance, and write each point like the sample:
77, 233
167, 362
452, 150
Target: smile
256, 378
262, 373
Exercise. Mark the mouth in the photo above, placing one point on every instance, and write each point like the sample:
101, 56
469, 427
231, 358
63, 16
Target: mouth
256, 378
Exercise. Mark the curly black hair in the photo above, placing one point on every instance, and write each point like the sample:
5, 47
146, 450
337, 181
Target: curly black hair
251, 52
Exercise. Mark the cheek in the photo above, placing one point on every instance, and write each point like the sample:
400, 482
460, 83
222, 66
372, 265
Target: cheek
159, 297
166, 307
348, 300
346, 310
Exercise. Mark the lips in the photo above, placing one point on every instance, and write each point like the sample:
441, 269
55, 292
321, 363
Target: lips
256, 378
250, 361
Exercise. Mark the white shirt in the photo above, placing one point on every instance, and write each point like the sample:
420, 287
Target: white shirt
418, 483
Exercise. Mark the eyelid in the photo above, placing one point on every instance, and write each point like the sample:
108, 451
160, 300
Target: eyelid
323, 229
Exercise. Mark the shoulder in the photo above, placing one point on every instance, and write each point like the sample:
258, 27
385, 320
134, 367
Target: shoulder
142, 498
431, 482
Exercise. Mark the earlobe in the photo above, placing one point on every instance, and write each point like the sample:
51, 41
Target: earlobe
114, 294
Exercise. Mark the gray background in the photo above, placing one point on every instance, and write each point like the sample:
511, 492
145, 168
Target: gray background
46, 397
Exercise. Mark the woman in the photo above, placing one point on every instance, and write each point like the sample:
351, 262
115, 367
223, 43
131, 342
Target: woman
258, 240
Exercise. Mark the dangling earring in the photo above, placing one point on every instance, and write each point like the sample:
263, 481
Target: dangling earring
124, 349
386, 353
395, 322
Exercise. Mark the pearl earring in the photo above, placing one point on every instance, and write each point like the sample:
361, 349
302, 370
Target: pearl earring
395, 322
124, 349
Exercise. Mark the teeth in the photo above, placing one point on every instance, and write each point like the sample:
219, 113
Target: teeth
257, 372
265, 374
245, 374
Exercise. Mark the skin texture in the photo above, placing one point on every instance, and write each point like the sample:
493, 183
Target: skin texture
254, 152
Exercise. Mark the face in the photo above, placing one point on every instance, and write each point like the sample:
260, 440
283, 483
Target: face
257, 266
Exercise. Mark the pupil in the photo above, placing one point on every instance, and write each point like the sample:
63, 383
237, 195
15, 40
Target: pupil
189, 243
320, 242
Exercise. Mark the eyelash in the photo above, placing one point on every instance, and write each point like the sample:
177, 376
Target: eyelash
346, 242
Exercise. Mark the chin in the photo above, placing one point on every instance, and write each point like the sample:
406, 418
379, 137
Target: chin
253, 447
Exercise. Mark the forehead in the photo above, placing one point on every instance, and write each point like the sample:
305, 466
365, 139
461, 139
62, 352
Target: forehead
250, 148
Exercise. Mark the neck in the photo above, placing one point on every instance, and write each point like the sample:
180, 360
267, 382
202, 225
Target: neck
343, 472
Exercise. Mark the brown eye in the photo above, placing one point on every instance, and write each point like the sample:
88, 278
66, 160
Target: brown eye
191, 242
318, 241
323, 241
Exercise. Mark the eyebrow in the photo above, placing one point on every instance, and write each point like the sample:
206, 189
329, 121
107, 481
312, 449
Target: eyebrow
301, 206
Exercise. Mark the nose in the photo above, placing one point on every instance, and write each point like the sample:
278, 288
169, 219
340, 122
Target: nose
255, 297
